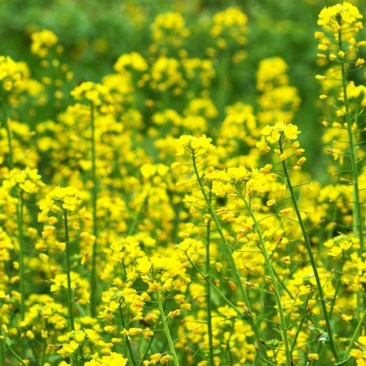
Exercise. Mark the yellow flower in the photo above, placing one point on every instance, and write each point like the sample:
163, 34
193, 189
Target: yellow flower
143, 265
158, 262
92, 92
313, 357
359, 62
341, 17
131, 60
285, 212
174, 313
165, 359
169, 28
229, 25
134, 331
79, 336
42, 41
108, 329
155, 358
188, 144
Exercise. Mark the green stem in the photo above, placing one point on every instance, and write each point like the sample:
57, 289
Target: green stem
68, 273
358, 229
354, 336
20, 223
14, 353
311, 256
357, 208
276, 290
299, 327
232, 262
70, 299
149, 344
221, 233
44, 349
128, 343
20, 219
93, 274
338, 285
215, 288
208, 291
167, 330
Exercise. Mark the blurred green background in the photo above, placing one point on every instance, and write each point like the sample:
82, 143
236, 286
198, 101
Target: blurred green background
94, 33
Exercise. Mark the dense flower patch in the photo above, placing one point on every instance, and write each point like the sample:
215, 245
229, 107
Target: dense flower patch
139, 227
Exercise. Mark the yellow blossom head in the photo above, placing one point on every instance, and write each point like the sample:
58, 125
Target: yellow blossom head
341, 19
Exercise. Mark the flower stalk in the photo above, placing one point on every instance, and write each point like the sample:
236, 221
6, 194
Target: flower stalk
229, 251
167, 330
128, 342
68, 272
358, 218
94, 274
20, 219
311, 255
208, 291
276, 290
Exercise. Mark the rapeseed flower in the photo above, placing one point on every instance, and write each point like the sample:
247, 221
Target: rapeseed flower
42, 41
341, 19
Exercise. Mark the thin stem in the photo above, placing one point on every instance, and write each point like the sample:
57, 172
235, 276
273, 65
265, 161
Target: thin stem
214, 287
20, 219
68, 273
354, 336
338, 285
276, 290
167, 330
299, 327
208, 290
70, 299
221, 233
232, 262
357, 209
150, 343
93, 274
20, 224
128, 343
311, 256
358, 229
14, 353
44, 349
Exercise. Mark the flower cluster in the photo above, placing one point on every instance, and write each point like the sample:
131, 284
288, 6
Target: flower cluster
341, 19
282, 134
91, 92
42, 41
60, 199
161, 274
169, 30
229, 26
26, 180
12, 74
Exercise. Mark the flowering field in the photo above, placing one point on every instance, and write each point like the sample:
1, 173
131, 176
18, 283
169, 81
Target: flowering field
167, 213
